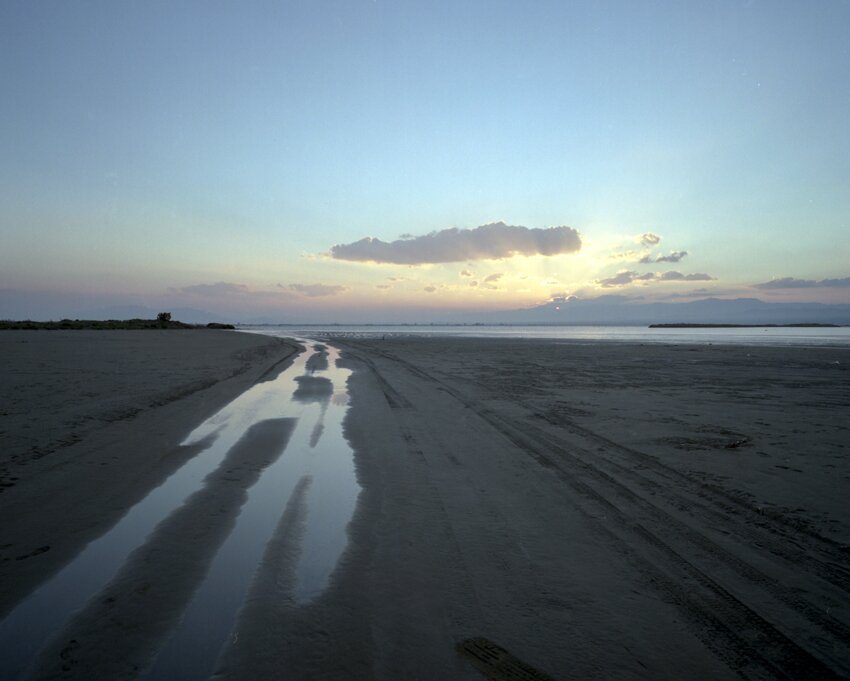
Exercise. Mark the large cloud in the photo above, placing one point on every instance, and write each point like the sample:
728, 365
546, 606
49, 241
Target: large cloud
791, 282
488, 242
627, 277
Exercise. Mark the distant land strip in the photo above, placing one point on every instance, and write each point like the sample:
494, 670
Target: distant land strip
743, 326
105, 325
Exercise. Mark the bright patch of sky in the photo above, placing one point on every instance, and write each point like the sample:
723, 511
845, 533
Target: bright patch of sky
146, 148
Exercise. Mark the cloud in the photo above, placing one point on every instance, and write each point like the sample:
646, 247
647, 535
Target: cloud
676, 256
627, 277
383, 286
466, 273
317, 290
623, 278
673, 257
490, 280
223, 291
430, 289
791, 282
624, 255
473, 283
488, 242
701, 293
678, 276
649, 239
220, 288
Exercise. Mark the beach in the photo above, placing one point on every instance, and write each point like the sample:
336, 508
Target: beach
526, 508
90, 421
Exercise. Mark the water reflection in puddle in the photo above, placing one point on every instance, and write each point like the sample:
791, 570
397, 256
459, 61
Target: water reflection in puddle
318, 451
314, 391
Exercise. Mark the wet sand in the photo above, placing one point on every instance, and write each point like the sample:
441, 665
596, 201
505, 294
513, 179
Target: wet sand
597, 511
91, 421
605, 511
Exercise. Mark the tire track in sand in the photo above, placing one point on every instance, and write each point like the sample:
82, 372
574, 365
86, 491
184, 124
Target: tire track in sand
748, 642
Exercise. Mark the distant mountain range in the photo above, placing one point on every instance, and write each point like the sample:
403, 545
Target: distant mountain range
616, 309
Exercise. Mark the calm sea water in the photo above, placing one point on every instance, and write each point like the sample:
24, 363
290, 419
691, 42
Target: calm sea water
838, 336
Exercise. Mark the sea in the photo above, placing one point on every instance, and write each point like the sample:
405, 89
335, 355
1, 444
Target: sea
781, 336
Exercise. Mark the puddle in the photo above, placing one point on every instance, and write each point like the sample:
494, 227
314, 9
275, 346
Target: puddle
319, 398
314, 391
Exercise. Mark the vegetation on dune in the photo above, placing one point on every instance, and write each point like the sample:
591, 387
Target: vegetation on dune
162, 321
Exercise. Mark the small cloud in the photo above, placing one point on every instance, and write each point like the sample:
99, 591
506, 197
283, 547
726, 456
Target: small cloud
221, 288
317, 290
550, 282
676, 256
395, 278
649, 239
473, 283
627, 277
406, 236
490, 281
383, 286
623, 278
624, 255
678, 276
673, 257
430, 289
466, 273
487, 242
791, 282
701, 293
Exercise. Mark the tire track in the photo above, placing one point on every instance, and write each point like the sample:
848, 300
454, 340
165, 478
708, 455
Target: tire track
744, 639
758, 527
834, 571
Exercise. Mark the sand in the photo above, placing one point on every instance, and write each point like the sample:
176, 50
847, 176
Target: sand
91, 421
529, 509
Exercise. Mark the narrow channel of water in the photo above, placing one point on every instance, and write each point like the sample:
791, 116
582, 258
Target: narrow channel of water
318, 450
313, 389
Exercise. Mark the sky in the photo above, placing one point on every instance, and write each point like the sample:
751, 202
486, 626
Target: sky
374, 160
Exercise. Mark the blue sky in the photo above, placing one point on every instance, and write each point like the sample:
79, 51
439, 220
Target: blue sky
151, 150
